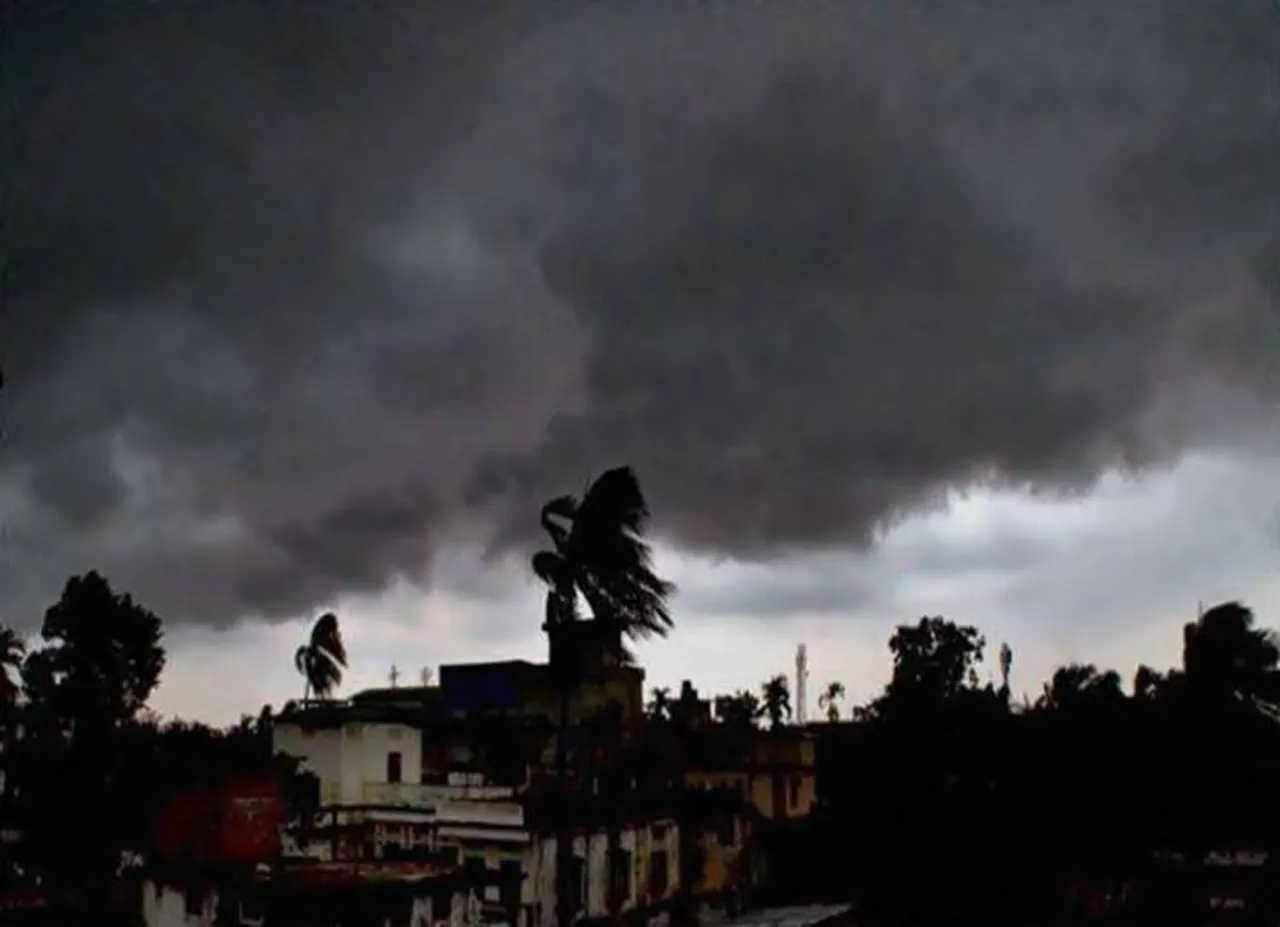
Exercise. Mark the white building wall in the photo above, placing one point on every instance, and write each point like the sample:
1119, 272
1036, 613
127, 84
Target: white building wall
627, 841
594, 849
669, 842
166, 906
365, 751
319, 750
597, 877
348, 760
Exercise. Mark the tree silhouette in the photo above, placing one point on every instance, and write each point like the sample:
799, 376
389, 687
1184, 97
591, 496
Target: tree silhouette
933, 661
739, 710
775, 697
1081, 684
101, 660
598, 552
322, 659
659, 703
1224, 654
1147, 682
829, 698
102, 656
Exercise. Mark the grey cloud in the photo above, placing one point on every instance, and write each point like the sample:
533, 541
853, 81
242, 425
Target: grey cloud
999, 553
298, 297
823, 584
1122, 569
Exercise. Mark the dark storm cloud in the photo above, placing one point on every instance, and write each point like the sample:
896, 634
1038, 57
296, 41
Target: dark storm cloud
298, 293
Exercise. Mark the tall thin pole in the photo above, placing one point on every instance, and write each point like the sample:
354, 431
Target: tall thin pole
802, 673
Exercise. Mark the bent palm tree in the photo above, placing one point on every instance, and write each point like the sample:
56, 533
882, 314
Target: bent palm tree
775, 696
322, 658
1223, 653
827, 700
597, 552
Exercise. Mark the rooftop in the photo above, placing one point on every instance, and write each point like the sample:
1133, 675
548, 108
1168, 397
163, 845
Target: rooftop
800, 916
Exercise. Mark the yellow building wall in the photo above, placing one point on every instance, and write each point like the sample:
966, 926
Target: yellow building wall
648, 843
808, 794
799, 785
796, 751
720, 870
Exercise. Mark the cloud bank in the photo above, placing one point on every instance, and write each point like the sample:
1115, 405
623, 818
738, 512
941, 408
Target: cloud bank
298, 296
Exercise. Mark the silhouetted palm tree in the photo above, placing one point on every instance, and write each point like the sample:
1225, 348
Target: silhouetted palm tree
775, 696
659, 702
322, 659
598, 551
827, 700
1224, 654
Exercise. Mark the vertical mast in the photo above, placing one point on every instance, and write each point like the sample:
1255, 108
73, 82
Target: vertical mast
802, 674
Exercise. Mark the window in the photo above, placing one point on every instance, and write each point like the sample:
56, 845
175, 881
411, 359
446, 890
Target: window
620, 877
795, 792
252, 910
658, 873
193, 901
512, 880
393, 766
577, 880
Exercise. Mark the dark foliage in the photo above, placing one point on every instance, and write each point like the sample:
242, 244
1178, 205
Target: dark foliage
946, 801
87, 766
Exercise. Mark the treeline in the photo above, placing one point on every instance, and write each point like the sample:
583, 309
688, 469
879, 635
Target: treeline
948, 798
86, 765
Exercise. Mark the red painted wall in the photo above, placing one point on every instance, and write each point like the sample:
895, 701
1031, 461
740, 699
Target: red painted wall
237, 823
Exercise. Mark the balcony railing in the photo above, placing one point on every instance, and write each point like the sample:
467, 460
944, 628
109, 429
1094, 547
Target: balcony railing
413, 795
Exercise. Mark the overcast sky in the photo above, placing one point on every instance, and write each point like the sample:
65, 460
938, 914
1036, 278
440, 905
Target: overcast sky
897, 309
